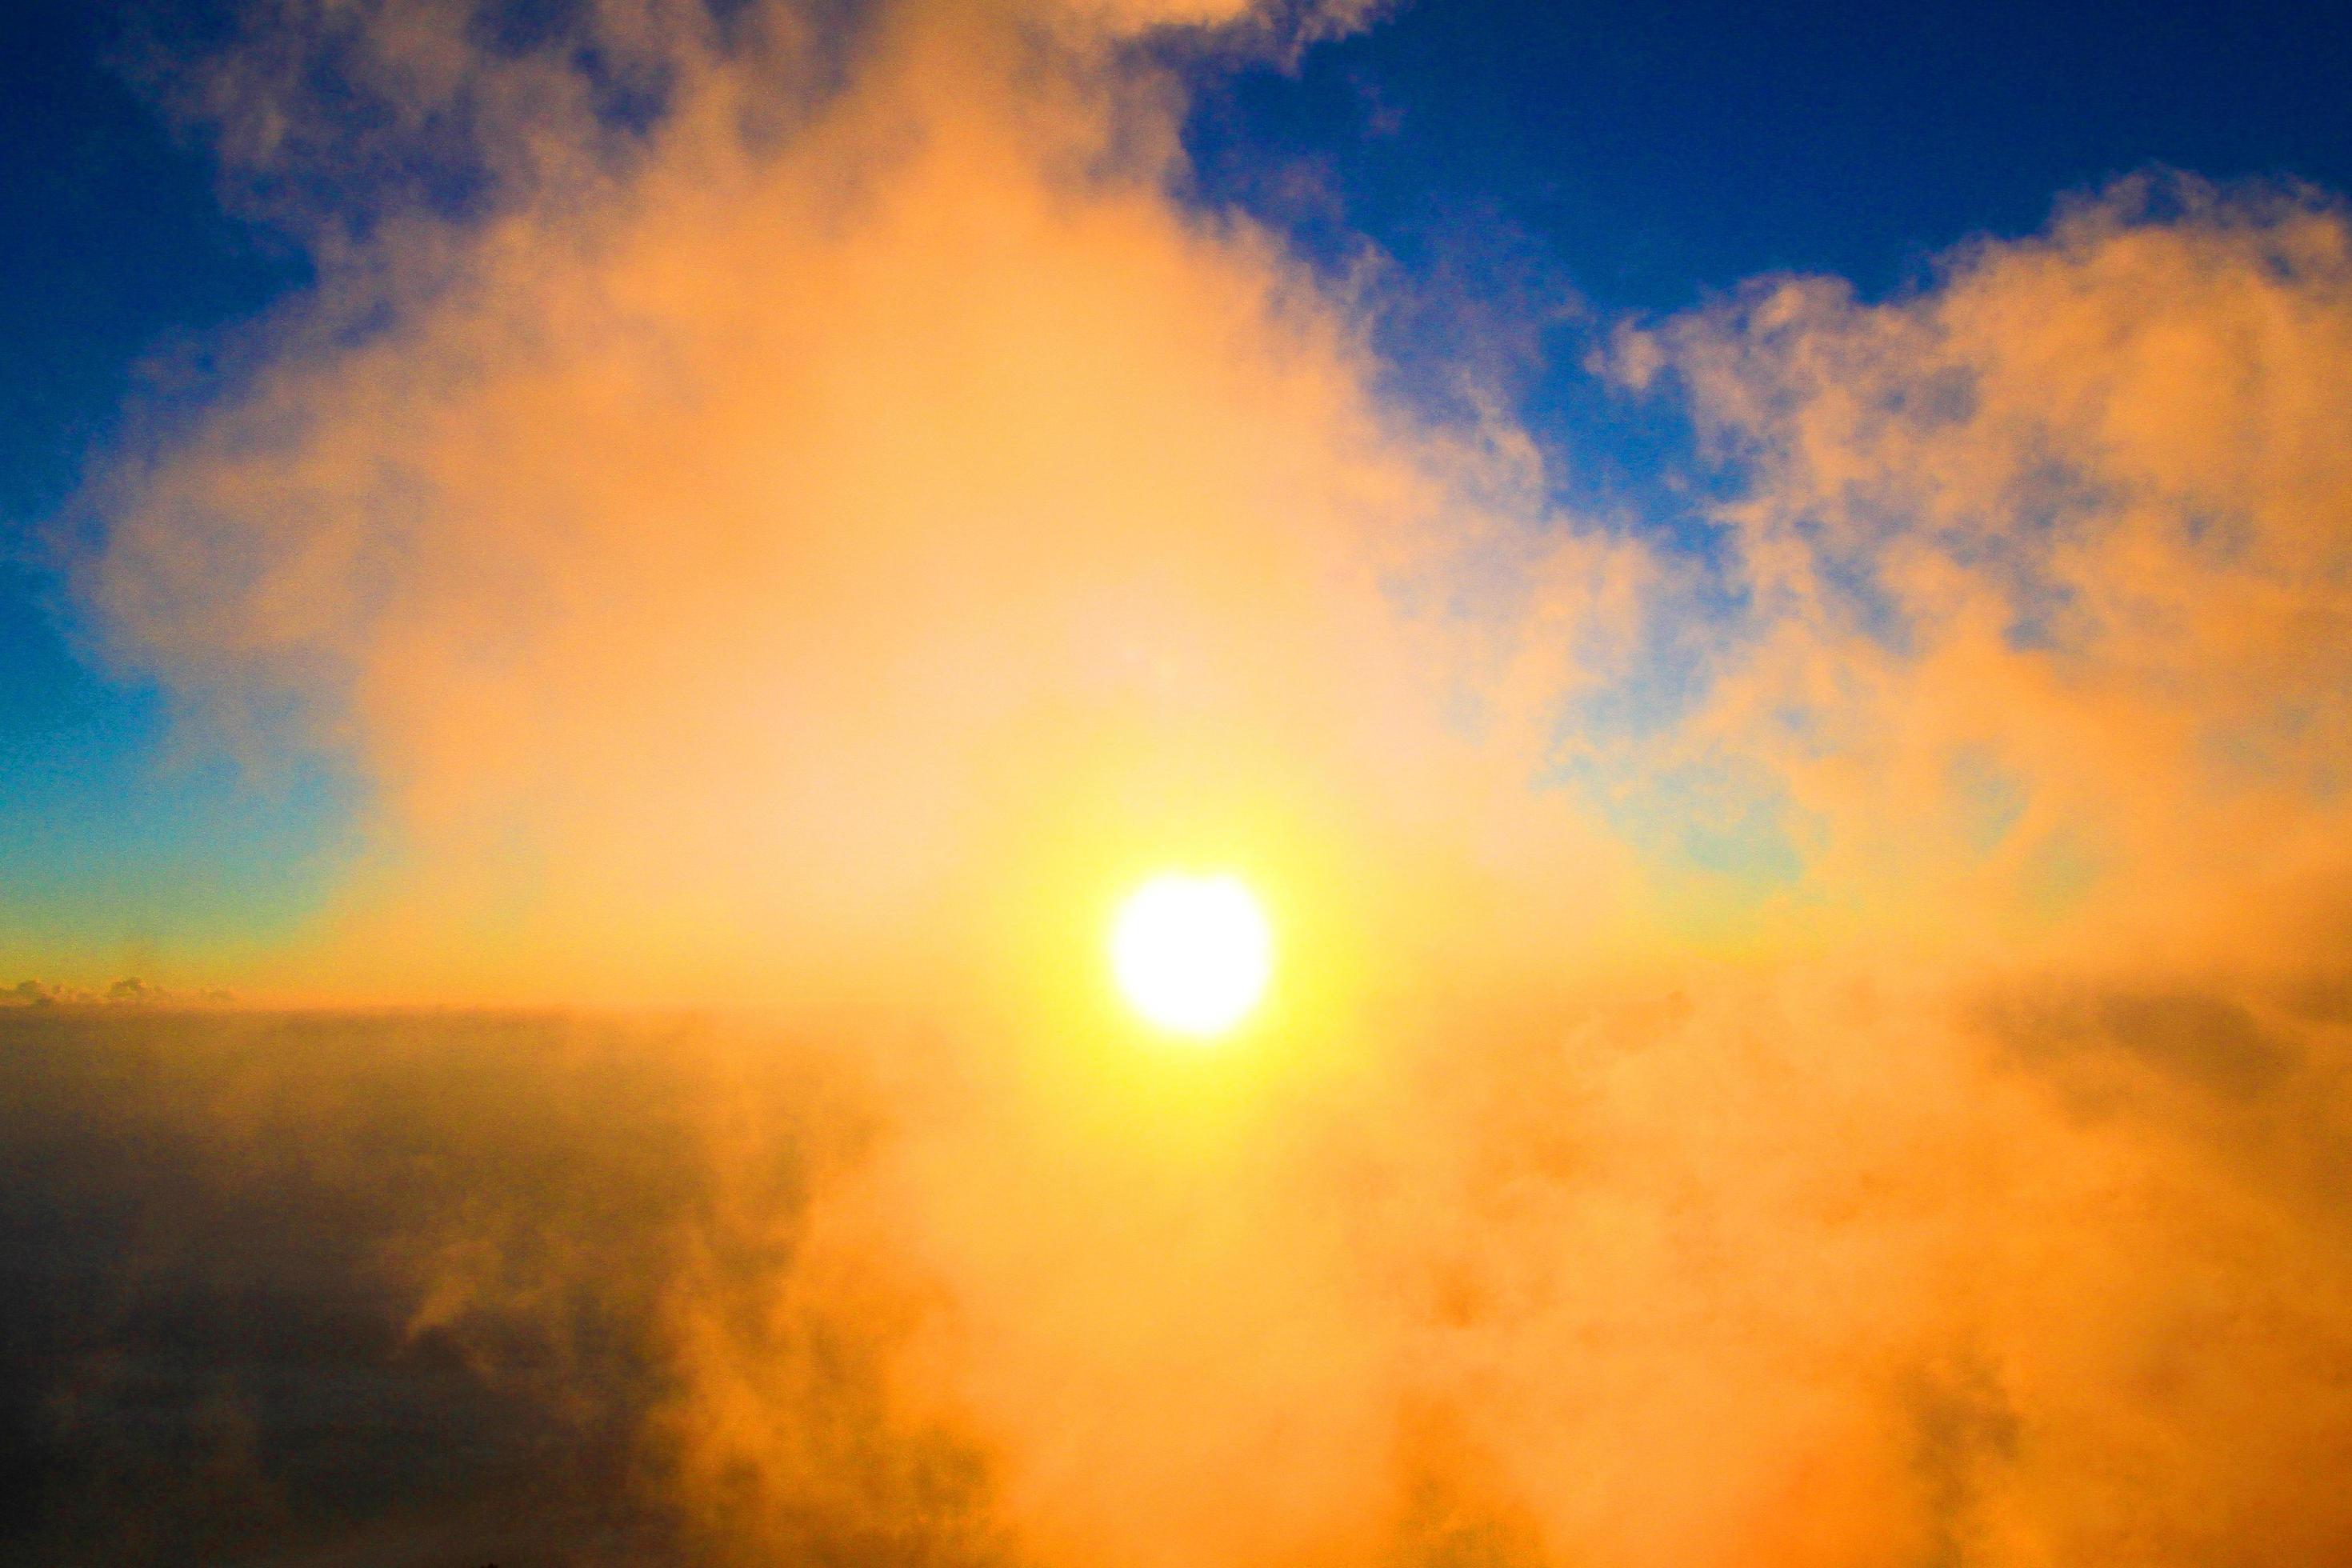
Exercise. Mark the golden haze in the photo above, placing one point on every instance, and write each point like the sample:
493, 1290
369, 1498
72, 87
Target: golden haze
818, 555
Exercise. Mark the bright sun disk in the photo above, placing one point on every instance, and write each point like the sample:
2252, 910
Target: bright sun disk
1192, 954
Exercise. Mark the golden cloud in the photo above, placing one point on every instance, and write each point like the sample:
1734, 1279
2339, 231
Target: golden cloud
2048, 565
809, 543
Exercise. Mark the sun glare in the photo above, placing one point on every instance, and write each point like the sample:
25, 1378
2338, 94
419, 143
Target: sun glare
1192, 955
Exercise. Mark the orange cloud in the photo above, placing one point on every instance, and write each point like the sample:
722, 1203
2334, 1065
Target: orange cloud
2049, 567
724, 550
810, 548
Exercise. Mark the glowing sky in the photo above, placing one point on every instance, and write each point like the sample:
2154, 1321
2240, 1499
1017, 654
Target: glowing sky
1762, 603
1486, 194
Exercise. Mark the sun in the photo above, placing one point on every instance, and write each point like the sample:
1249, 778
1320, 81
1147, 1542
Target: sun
1192, 954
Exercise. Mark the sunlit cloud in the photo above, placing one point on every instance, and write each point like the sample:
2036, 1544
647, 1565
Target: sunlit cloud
1823, 1052
2046, 572
726, 550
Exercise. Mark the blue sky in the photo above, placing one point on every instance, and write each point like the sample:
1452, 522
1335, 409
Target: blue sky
1629, 159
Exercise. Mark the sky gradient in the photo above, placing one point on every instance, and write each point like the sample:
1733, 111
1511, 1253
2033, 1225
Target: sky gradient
1527, 180
1762, 605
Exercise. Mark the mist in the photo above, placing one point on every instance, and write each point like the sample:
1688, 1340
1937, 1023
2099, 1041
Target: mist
1827, 1049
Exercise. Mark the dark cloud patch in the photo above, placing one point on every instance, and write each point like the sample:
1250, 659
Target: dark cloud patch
2210, 1044
334, 1289
1967, 1432
2323, 999
2254, 1082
